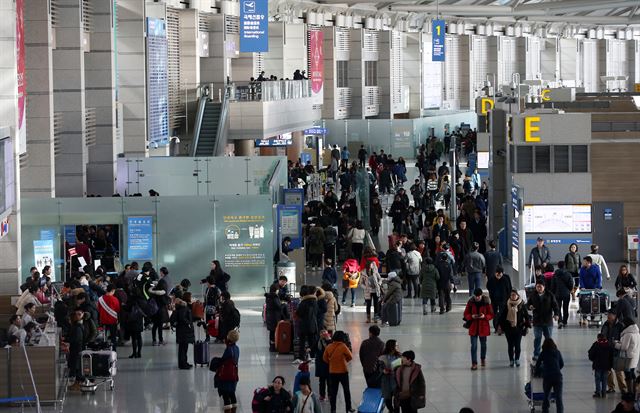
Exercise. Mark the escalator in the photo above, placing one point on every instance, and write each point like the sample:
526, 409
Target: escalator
209, 137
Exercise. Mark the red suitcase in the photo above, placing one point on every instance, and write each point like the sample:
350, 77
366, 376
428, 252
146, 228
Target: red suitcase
284, 336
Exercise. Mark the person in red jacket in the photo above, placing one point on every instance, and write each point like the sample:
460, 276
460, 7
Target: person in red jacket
477, 315
108, 309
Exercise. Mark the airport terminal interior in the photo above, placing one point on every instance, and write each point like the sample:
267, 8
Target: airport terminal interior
307, 206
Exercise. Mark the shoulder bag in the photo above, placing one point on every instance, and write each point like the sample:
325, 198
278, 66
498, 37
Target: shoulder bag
621, 361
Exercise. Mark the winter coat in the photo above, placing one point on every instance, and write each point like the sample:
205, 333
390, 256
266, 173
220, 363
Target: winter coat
550, 364
624, 308
330, 275
322, 308
590, 278
445, 270
539, 256
330, 315
429, 277
108, 316
232, 352
388, 383
299, 399
598, 260
572, 262
499, 289
279, 402
626, 281
322, 367
479, 326
315, 243
369, 352
273, 310
307, 313
394, 291
371, 284
601, 355
492, 260
563, 283
414, 261
133, 317
417, 386
182, 320
228, 319
630, 344
337, 355
522, 320
394, 260
474, 263
545, 307
612, 332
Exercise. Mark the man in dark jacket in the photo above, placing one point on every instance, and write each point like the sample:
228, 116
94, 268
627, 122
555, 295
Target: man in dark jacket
624, 306
499, 288
76, 345
493, 259
370, 349
362, 155
478, 227
445, 269
612, 329
395, 262
307, 314
545, 310
539, 255
563, 285
474, 265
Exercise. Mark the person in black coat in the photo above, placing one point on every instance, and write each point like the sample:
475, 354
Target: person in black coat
499, 287
75, 337
398, 213
211, 300
307, 314
545, 309
229, 316
624, 306
563, 286
445, 269
601, 356
273, 314
182, 321
160, 293
549, 366
612, 329
492, 258
514, 322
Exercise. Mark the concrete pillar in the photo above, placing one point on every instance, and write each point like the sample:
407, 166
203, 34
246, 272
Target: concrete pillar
69, 100
244, 147
101, 96
132, 75
293, 151
10, 244
38, 177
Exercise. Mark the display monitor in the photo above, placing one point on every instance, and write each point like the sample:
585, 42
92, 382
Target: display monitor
557, 218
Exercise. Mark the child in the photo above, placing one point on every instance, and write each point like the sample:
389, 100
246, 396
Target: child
330, 275
602, 357
303, 374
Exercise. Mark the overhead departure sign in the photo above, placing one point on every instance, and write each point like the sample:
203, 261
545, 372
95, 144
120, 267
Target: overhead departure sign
254, 26
437, 41
315, 131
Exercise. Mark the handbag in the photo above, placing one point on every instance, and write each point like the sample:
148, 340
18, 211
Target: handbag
467, 323
621, 361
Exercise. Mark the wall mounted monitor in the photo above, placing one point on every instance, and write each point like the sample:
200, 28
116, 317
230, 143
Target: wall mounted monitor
557, 218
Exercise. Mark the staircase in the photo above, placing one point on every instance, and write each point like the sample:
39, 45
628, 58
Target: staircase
206, 140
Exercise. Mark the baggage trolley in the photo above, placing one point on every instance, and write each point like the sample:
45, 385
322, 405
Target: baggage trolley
592, 304
98, 368
533, 391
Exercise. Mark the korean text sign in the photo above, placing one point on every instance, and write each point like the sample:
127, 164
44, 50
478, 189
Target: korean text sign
254, 26
437, 42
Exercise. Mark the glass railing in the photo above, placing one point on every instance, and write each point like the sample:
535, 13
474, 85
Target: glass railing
271, 90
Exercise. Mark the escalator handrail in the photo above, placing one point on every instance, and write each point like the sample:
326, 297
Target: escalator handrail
222, 129
198, 124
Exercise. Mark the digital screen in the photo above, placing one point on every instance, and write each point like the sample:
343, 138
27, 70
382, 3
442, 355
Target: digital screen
557, 218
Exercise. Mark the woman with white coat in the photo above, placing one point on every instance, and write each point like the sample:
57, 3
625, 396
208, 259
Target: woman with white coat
371, 282
629, 347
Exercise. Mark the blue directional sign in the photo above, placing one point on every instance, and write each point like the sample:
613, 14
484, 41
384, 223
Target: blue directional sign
140, 238
254, 26
437, 42
315, 131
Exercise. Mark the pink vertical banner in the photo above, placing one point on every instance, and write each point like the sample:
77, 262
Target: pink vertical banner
316, 64
21, 131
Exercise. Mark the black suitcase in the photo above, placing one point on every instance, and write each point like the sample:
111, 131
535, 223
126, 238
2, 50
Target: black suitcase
394, 314
201, 353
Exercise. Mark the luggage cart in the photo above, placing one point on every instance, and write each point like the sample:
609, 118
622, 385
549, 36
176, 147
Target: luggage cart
98, 368
592, 304
533, 391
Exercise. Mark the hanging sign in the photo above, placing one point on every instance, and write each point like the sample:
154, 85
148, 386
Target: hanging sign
437, 41
254, 26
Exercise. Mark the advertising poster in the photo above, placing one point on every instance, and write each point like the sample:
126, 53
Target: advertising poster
43, 255
244, 240
21, 129
70, 234
140, 238
254, 26
316, 65
157, 81
437, 41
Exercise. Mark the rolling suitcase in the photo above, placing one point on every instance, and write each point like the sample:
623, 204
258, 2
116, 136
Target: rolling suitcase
98, 363
372, 401
284, 337
394, 314
197, 311
200, 351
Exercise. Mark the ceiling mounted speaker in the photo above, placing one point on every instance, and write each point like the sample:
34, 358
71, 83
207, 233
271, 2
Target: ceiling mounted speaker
481, 29
340, 20
452, 28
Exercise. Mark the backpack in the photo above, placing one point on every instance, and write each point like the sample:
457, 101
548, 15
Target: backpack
258, 397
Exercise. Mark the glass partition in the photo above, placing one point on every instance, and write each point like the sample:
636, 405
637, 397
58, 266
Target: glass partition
272, 90
186, 234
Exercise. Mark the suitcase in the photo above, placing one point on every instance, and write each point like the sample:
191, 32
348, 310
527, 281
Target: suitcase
197, 311
284, 336
99, 363
394, 314
372, 401
584, 302
201, 353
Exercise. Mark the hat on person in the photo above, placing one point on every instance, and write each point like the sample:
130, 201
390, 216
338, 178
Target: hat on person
611, 311
539, 239
391, 275
409, 354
